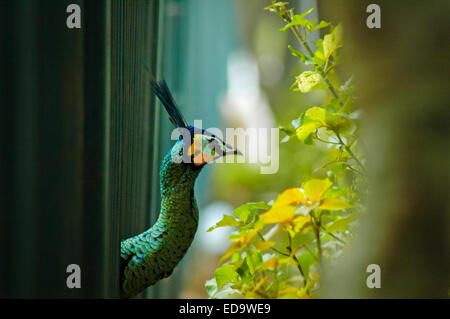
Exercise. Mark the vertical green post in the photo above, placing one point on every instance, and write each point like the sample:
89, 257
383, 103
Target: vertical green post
133, 129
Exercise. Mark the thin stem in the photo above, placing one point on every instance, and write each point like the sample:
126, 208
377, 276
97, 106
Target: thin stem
283, 13
334, 236
347, 148
311, 54
324, 141
356, 171
273, 248
317, 233
296, 259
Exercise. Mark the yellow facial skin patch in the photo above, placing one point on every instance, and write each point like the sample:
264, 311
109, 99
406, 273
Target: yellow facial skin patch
201, 151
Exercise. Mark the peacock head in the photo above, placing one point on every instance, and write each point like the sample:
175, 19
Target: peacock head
195, 147
198, 147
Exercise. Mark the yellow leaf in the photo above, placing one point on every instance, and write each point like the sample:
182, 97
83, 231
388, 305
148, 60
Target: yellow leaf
315, 188
333, 204
263, 245
287, 261
316, 114
229, 252
271, 263
289, 228
316, 277
278, 215
245, 238
303, 294
287, 296
260, 283
293, 293
301, 222
305, 130
288, 290
290, 196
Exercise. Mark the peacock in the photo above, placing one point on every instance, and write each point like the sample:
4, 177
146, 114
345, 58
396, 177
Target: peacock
152, 255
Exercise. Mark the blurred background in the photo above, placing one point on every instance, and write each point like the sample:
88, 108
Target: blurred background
230, 67
82, 137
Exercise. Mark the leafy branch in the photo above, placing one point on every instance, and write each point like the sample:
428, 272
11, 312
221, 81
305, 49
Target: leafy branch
318, 216
288, 18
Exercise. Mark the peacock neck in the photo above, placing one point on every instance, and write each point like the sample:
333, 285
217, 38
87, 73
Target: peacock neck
177, 182
157, 251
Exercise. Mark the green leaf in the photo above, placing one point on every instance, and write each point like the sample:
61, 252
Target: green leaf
315, 114
333, 204
306, 260
317, 43
243, 212
244, 272
288, 131
225, 274
307, 80
298, 19
337, 121
227, 220
254, 261
336, 192
321, 25
305, 58
306, 12
304, 131
319, 57
230, 252
311, 120
320, 86
337, 168
332, 41
211, 287
311, 23
278, 4
342, 223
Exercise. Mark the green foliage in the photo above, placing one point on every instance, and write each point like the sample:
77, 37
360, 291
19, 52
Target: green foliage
279, 247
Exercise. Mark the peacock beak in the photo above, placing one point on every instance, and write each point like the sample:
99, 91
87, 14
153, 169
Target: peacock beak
230, 150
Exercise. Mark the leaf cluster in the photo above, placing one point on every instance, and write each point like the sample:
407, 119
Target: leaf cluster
278, 247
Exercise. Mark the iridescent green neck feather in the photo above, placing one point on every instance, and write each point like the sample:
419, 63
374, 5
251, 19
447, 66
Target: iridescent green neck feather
152, 255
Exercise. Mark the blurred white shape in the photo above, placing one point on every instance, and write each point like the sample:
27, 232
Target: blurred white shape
271, 69
244, 104
216, 241
243, 75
